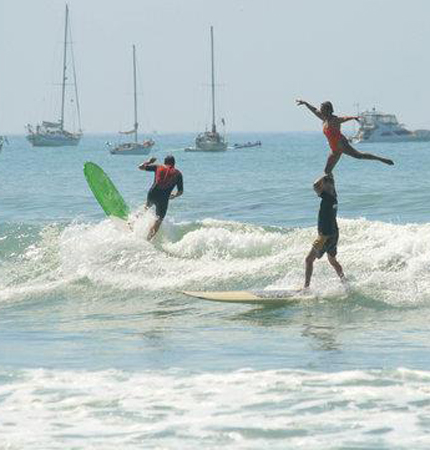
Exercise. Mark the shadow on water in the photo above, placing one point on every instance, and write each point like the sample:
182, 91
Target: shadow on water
354, 301
323, 320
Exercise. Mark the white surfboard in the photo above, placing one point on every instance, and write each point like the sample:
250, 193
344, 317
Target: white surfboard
252, 296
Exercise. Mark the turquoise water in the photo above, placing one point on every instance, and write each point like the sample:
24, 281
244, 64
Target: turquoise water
99, 349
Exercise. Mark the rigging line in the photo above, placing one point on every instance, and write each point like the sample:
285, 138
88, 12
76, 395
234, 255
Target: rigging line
78, 107
140, 84
64, 76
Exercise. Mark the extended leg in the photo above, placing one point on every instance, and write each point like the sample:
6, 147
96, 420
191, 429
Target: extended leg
332, 160
336, 265
155, 227
350, 151
309, 263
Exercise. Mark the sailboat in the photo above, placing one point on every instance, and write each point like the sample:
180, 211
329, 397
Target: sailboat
135, 147
53, 134
3, 140
210, 141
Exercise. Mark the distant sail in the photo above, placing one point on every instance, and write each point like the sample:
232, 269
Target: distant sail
129, 132
51, 124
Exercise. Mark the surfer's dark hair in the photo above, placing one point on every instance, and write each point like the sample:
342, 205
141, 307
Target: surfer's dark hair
169, 160
327, 106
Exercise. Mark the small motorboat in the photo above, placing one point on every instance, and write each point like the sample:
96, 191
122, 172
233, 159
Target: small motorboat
248, 145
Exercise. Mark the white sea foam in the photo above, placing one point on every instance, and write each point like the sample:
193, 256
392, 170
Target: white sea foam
387, 262
243, 409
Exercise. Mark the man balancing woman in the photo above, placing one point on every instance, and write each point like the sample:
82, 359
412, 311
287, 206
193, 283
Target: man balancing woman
167, 177
338, 142
328, 232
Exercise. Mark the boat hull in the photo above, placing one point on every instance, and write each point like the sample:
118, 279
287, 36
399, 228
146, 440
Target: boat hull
41, 140
209, 142
133, 148
239, 146
391, 139
3, 139
207, 149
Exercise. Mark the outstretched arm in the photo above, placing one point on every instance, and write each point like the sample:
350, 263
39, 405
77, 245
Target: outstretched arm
348, 118
311, 108
144, 165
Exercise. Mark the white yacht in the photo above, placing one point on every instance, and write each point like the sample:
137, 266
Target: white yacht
53, 134
210, 141
376, 126
135, 147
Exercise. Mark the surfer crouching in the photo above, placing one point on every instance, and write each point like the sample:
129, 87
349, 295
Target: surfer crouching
328, 232
167, 177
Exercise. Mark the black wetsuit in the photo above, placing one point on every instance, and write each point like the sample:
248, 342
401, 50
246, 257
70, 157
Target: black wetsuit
166, 178
328, 230
327, 223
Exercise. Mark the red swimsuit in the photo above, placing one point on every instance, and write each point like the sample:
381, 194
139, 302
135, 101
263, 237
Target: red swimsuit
333, 136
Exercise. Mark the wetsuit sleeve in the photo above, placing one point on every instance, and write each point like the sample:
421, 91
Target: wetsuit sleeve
180, 183
151, 168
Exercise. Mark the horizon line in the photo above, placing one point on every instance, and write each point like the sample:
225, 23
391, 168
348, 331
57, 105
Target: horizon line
155, 133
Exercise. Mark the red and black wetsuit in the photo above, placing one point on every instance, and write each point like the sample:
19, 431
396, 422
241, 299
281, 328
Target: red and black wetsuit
166, 178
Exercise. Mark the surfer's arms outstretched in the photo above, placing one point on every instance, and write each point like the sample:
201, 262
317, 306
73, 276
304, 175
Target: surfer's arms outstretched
311, 108
338, 142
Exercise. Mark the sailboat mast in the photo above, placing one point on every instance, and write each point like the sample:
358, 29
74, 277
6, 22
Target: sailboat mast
213, 80
136, 125
63, 92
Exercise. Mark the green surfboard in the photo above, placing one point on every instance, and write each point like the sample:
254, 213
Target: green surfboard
105, 192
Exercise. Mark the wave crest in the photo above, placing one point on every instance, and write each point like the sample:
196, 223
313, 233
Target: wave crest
389, 262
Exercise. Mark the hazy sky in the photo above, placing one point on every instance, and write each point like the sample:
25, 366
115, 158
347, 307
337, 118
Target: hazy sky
268, 52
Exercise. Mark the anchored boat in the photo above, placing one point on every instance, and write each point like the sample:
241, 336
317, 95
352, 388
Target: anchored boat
3, 140
53, 134
210, 141
376, 126
248, 145
135, 147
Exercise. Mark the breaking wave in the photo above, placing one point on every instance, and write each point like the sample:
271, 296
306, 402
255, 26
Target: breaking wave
389, 262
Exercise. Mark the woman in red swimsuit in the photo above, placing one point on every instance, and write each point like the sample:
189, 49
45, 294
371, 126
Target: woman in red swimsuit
338, 142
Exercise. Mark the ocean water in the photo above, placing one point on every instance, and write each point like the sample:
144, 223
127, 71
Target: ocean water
99, 348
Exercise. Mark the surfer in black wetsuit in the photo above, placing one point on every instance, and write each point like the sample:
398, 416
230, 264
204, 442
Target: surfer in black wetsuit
328, 232
167, 177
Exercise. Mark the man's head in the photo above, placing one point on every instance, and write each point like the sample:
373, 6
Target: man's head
324, 184
326, 109
169, 160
